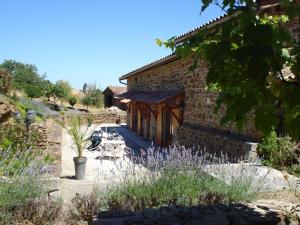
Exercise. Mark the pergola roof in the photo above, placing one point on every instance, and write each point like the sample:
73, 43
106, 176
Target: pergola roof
149, 97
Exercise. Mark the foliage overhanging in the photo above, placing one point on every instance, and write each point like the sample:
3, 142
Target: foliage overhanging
253, 63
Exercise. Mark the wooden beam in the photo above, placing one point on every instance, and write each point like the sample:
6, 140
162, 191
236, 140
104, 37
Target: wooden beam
176, 117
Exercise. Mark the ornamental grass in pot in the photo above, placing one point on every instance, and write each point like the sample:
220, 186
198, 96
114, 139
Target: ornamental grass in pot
79, 137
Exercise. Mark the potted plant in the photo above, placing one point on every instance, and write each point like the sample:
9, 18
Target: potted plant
79, 137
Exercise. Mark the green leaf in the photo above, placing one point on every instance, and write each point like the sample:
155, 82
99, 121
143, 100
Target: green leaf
266, 119
159, 42
285, 54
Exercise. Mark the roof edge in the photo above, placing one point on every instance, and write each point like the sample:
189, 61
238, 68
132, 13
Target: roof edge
207, 25
178, 40
162, 61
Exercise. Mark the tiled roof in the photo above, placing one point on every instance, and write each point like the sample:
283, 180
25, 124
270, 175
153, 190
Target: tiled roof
116, 89
164, 60
206, 25
179, 39
150, 97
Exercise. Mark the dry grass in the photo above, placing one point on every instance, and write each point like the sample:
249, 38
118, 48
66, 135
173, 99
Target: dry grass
283, 195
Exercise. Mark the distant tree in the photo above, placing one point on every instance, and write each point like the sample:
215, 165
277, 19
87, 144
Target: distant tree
57, 92
22, 73
47, 86
33, 91
87, 101
49, 91
72, 101
65, 88
95, 94
84, 88
65, 85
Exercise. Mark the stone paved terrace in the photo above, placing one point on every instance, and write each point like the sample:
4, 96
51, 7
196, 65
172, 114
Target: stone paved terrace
100, 169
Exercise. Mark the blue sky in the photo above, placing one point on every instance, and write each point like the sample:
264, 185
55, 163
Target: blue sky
93, 40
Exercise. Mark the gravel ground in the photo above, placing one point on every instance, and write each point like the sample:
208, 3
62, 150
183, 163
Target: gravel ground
50, 112
46, 109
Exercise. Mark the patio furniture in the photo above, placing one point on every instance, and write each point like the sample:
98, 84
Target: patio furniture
96, 139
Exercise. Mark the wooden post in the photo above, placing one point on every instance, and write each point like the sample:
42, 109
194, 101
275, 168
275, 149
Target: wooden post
159, 125
139, 130
148, 125
131, 116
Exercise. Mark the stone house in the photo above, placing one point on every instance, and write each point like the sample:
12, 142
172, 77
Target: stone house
111, 96
167, 103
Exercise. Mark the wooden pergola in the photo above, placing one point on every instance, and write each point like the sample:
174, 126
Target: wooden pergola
166, 107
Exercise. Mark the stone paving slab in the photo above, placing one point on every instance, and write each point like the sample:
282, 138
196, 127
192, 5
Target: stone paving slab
264, 179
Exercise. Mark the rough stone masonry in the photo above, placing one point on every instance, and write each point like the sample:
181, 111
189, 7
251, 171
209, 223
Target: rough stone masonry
259, 213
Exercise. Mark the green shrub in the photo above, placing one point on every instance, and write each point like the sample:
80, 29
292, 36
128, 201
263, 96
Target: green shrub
277, 152
23, 201
179, 176
14, 97
93, 96
185, 188
18, 190
72, 101
33, 91
87, 101
13, 162
24, 104
22, 191
16, 152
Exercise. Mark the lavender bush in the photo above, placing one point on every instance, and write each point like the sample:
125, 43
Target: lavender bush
22, 190
83, 208
178, 176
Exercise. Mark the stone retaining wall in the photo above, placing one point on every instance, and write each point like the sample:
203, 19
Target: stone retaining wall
6, 109
214, 140
260, 213
101, 118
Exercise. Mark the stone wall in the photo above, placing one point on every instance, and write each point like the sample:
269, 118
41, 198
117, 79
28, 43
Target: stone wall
42, 129
6, 109
214, 140
199, 106
199, 103
262, 212
101, 117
